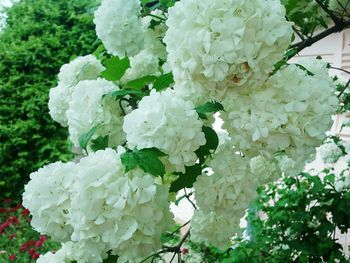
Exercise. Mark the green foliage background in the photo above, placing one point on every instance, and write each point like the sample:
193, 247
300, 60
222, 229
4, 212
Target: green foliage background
41, 35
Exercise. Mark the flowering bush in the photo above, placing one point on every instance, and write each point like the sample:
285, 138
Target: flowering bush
145, 131
18, 242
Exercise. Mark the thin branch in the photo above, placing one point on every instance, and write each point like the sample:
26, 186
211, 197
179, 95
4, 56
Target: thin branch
189, 199
298, 33
346, 71
311, 40
343, 90
177, 230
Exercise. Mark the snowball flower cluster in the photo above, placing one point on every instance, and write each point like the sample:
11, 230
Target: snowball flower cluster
89, 108
49, 187
104, 208
217, 45
290, 113
168, 123
330, 152
118, 25
223, 197
81, 68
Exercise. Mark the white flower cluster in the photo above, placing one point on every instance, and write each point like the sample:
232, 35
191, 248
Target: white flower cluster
290, 113
118, 25
168, 123
100, 208
223, 197
49, 187
146, 62
217, 45
330, 152
342, 181
88, 109
81, 68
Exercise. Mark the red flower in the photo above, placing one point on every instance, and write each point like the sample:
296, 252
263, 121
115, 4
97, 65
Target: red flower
31, 243
13, 236
3, 210
43, 238
35, 255
25, 212
184, 251
39, 243
12, 257
31, 251
23, 247
13, 220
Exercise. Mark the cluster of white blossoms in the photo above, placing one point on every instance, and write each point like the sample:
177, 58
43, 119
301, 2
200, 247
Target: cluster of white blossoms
221, 55
49, 187
218, 45
330, 152
88, 108
232, 188
290, 113
118, 25
98, 208
168, 123
81, 68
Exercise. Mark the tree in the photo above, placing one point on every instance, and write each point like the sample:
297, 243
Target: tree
39, 37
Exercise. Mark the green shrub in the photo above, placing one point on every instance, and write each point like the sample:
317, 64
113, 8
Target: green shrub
40, 36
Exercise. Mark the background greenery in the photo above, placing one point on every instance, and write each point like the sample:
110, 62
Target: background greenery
40, 36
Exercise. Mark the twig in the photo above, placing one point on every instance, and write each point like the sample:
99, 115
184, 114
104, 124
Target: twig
343, 90
189, 199
346, 71
311, 40
174, 232
298, 33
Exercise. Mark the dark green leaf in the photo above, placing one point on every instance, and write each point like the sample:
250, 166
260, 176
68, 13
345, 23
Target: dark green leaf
211, 138
122, 93
115, 68
140, 83
100, 143
85, 138
167, 3
187, 179
146, 159
209, 107
111, 259
163, 81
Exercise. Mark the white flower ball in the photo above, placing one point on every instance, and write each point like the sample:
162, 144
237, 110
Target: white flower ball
330, 152
50, 257
125, 212
48, 199
81, 68
118, 25
168, 123
143, 64
212, 228
225, 44
59, 98
88, 109
84, 252
290, 113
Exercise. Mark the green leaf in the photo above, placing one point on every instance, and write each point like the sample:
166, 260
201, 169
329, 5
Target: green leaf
146, 159
122, 93
115, 68
145, 2
167, 3
111, 259
86, 137
209, 107
187, 179
211, 138
305, 69
140, 83
163, 81
100, 143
